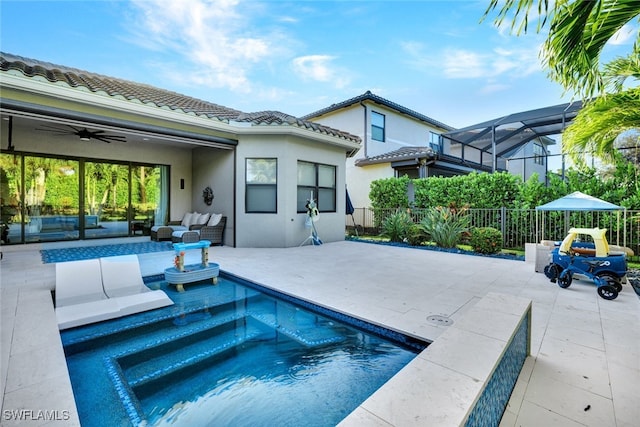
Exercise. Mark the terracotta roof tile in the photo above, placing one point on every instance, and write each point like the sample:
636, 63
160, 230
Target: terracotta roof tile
161, 98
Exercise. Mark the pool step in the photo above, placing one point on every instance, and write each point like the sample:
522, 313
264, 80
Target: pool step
150, 362
177, 316
143, 366
307, 332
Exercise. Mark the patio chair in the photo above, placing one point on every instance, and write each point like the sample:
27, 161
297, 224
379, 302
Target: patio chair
214, 233
189, 221
80, 298
122, 282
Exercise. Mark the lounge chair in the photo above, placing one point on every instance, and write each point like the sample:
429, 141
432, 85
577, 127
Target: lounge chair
122, 282
189, 221
212, 233
80, 298
94, 290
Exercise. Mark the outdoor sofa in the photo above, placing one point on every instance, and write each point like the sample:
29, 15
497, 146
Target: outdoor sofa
192, 228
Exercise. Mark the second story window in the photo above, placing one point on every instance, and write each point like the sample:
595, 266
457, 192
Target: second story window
434, 141
377, 126
538, 154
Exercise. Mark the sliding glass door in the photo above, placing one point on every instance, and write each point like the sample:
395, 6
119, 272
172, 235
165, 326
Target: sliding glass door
41, 198
106, 199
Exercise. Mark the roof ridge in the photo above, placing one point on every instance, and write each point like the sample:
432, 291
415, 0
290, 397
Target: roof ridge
162, 98
368, 95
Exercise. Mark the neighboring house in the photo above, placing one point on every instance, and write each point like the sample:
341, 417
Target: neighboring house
398, 141
124, 156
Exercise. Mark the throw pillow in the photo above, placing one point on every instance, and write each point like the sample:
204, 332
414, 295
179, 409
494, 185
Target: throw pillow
214, 220
186, 219
195, 218
203, 218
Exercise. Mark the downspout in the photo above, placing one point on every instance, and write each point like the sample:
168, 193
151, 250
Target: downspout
364, 138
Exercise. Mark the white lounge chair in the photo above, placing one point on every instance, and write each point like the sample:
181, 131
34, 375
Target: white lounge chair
80, 297
122, 282
94, 290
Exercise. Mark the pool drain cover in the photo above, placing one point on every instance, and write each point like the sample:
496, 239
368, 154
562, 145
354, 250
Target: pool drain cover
439, 320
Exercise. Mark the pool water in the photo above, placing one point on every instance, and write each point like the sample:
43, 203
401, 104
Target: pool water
232, 354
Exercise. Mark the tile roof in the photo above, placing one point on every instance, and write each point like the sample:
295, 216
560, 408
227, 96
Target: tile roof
368, 96
404, 153
161, 98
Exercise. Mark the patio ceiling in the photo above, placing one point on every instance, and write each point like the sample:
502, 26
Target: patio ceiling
504, 135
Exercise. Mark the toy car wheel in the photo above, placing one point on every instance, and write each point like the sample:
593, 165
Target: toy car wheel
552, 271
611, 281
607, 292
565, 282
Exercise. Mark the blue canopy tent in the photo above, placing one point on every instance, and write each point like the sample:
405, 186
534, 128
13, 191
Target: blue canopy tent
578, 201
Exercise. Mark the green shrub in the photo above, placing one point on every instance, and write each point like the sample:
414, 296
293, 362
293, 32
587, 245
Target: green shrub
416, 235
445, 226
396, 227
486, 240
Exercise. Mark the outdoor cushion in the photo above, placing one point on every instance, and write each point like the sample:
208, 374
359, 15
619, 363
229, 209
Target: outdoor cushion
186, 219
203, 218
214, 220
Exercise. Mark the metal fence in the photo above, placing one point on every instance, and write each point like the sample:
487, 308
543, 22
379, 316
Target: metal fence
520, 226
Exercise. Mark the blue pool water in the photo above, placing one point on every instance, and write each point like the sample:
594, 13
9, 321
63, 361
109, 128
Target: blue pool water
234, 354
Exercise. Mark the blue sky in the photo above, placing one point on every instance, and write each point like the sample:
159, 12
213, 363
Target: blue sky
297, 57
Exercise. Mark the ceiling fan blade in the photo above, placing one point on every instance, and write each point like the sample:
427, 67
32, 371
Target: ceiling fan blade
56, 130
100, 138
113, 138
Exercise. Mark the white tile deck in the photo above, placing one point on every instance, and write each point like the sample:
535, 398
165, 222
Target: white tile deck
585, 350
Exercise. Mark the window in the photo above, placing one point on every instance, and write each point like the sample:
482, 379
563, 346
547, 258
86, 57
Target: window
261, 186
377, 126
538, 154
434, 141
317, 181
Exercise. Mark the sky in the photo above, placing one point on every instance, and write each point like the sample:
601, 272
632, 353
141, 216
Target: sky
434, 57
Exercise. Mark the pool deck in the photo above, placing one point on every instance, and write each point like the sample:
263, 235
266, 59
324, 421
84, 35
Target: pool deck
584, 368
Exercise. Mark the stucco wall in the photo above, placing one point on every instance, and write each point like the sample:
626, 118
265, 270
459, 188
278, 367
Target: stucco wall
215, 168
286, 228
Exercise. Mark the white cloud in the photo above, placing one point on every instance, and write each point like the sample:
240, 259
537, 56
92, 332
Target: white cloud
318, 68
624, 35
466, 64
209, 36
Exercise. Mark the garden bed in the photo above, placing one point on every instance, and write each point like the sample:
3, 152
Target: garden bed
502, 255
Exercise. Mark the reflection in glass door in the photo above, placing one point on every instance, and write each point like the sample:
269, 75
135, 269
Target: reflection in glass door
106, 201
145, 197
41, 198
50, 199
10, 198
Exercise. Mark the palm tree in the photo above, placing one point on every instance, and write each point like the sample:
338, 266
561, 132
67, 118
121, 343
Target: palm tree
578, 31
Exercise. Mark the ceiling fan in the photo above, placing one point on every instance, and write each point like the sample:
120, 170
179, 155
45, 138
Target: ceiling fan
83, 133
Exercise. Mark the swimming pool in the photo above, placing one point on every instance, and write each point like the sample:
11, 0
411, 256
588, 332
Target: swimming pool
231, 354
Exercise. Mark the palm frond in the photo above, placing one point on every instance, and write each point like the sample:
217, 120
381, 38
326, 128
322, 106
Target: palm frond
577, 35
599, 123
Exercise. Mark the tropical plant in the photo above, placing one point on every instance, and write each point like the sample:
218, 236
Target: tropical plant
486, 240
397, 226
578, 32
445, 226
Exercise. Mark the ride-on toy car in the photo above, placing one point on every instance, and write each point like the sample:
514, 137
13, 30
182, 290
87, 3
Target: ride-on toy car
590, 259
